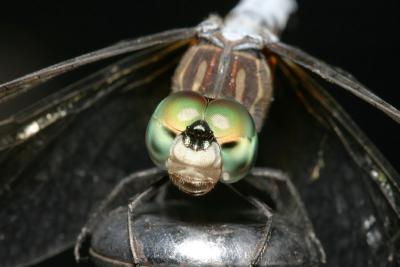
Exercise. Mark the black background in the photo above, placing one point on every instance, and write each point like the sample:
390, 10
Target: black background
357, 35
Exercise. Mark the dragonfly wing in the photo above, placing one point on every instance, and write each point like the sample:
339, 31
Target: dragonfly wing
334, 75
141, 67
350, 191
51, 181
15, 87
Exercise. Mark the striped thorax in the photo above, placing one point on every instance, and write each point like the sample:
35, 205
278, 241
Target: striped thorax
220, 68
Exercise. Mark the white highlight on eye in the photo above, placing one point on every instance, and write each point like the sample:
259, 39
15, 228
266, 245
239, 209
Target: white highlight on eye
225, 176
187, 114
199, 250
220, 122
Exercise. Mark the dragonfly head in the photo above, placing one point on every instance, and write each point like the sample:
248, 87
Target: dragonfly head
201, 141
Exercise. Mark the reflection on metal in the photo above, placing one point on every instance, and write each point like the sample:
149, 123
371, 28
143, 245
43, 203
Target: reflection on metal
199, 250
165, 225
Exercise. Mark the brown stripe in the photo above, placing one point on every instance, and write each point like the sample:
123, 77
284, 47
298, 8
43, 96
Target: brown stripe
197, 69
211, 73
230, 89
251, 82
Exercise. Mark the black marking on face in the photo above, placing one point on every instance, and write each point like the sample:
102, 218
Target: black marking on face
198, 136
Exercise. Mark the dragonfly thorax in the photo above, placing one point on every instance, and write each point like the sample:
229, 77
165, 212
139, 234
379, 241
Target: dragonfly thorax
220, 68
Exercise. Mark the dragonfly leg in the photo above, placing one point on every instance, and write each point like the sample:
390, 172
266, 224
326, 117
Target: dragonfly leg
280, 177
267, 212
137, 253
126, 188
266, 232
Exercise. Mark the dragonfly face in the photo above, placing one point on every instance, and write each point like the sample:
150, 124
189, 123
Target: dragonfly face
201, 141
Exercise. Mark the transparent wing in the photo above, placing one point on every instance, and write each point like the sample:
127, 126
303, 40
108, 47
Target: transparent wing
15, 87
325, 108
334, 75
359, 186
141, 67
51, 181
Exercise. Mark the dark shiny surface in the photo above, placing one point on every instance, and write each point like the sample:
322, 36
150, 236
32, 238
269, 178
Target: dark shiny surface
174, 229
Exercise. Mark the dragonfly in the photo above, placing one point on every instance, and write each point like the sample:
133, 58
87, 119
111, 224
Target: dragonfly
152, 56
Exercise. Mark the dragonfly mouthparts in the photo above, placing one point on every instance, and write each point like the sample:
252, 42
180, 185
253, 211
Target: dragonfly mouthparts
194, 163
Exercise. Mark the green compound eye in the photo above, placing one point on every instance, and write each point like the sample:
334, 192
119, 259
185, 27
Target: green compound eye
234, 130
171, 117
238, 157
158, 141
229, 120
180, 109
